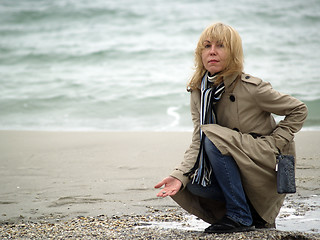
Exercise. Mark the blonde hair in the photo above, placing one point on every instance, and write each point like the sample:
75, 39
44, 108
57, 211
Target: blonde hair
218, 32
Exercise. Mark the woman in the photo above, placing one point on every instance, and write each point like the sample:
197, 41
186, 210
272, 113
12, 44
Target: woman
227, 177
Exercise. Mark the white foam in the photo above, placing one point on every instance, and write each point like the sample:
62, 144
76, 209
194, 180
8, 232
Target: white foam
291, 220
192, 223
172, 111
288, 219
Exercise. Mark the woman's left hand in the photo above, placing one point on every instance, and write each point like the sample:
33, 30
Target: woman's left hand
171, 186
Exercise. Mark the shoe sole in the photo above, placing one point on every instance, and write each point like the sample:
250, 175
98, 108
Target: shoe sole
241, 229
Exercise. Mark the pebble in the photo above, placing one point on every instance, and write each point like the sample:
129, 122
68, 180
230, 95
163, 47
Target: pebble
130, 227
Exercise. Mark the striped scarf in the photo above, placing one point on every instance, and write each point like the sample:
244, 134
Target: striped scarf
210, 95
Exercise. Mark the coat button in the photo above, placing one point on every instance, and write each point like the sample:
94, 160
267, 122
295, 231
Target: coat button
232, 98
247, 77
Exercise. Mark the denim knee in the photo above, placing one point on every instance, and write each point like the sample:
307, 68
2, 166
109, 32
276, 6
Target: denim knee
210, 147
212, 192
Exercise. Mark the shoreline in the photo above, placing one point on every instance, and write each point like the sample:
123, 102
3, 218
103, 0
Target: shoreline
135, 227
54, 177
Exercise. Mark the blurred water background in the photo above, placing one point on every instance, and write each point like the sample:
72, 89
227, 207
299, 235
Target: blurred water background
123, 65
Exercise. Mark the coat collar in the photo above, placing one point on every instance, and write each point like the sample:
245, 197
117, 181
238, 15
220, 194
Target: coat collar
228, 80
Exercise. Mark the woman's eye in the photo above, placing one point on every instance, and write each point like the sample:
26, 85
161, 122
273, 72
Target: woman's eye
207, 46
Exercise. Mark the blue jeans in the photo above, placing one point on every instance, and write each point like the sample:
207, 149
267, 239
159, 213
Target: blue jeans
226, 185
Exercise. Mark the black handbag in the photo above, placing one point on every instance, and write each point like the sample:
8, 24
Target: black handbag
285, 174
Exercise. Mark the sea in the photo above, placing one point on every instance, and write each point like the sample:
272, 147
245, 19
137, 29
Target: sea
123, 65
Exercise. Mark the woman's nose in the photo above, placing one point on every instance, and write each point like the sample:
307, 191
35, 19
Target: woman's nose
213, 50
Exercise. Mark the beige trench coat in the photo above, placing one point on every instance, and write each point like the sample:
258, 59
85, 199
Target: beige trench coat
244, 108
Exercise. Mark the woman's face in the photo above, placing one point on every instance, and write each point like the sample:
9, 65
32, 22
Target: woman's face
214, 56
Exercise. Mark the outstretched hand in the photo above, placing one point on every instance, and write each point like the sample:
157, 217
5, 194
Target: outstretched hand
171, 186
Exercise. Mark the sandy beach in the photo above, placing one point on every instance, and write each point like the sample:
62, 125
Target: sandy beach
55, 177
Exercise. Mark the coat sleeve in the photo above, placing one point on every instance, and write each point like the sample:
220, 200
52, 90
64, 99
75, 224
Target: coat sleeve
295, 112
191, 153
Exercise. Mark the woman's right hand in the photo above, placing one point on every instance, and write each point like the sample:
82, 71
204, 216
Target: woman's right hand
171, 186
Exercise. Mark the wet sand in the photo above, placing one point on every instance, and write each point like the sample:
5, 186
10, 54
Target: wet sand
66, 174
56, 176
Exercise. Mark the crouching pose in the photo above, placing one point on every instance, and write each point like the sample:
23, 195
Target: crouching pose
227, 177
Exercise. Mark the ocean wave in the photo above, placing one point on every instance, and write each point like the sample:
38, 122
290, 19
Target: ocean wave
59, 11
10, 56
124, 64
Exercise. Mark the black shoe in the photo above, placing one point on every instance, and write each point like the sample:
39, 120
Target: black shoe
227, 225
261, 224
258, 221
